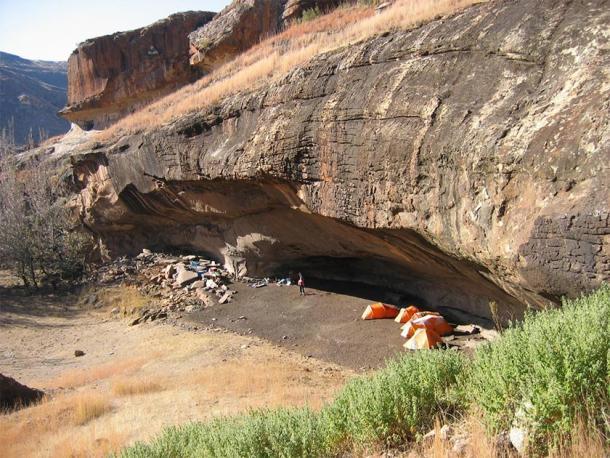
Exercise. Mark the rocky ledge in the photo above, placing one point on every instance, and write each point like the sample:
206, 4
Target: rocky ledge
464, 162
113, 75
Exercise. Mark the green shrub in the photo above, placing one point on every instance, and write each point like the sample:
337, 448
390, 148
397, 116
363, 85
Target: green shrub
310, 14
267, 433
397, 402
547, 371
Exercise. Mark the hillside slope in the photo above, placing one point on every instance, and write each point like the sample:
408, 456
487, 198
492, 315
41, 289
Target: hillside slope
31, 93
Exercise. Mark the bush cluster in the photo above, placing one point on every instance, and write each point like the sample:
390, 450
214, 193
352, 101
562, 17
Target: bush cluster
40, 240
544, 374
548, 371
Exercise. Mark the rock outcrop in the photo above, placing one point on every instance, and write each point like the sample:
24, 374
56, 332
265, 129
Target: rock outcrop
113, 75
238, 27
461, 162
14, 395
243, 24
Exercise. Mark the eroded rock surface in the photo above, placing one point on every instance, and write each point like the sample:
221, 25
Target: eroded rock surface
460, 162
113, 75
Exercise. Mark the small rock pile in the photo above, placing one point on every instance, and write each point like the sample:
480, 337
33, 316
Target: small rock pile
178, 284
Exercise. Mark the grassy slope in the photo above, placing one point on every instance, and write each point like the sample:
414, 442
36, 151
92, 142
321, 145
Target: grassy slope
553, 368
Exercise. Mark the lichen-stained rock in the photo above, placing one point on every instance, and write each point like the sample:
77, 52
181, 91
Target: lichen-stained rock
463, 161
238, 27
113, 75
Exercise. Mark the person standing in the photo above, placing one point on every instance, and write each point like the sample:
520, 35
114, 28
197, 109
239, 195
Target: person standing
301, 284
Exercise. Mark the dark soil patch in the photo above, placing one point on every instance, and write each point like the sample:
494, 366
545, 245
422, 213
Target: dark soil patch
322, 324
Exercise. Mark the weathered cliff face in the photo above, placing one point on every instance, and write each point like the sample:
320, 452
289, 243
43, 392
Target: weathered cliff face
243, 24
460, 162
113, 75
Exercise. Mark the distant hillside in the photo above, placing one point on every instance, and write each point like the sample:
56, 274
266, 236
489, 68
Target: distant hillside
31, 93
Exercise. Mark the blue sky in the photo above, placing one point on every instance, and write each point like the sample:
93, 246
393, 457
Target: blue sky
51, 29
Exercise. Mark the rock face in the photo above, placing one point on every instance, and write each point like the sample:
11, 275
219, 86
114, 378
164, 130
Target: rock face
31, 93
239, 26
14, 395
242, 25
113, 75
461, 162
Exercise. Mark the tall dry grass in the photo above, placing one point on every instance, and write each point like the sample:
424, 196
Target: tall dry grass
134, 386
273, 383
26, 432
87, 407
274, 57
80, 377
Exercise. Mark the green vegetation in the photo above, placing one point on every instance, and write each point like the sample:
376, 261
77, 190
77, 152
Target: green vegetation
552, 369
397, 402
548, 372
310, 14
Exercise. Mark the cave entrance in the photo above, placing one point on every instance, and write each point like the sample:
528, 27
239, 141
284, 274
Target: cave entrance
379, 280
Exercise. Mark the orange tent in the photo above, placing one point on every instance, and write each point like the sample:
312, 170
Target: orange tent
423, 338
434, 323
405, 314
378, 311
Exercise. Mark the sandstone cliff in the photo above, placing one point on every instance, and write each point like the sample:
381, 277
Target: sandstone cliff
460, 162
236, 28
243, 24
115, 74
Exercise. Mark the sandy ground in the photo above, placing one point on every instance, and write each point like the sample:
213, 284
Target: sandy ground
182, 375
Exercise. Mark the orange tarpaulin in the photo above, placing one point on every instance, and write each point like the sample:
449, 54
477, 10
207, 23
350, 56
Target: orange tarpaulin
434, 323
378, 311
423, 338
405, 314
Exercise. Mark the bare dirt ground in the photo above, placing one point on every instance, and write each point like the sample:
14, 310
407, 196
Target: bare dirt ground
134, 381
322, 325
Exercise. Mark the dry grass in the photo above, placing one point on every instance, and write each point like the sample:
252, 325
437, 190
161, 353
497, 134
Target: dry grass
89, 444
272, 383
24, 433
275, 57
135, 386
127, 298
80, 377
583, 441
87, 407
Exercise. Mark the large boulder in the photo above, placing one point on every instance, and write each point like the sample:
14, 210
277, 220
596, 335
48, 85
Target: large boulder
463, 162
14, 395
238, 27
113, 75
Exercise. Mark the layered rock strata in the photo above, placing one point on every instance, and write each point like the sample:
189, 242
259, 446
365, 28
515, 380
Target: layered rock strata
461, 162
113, 75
